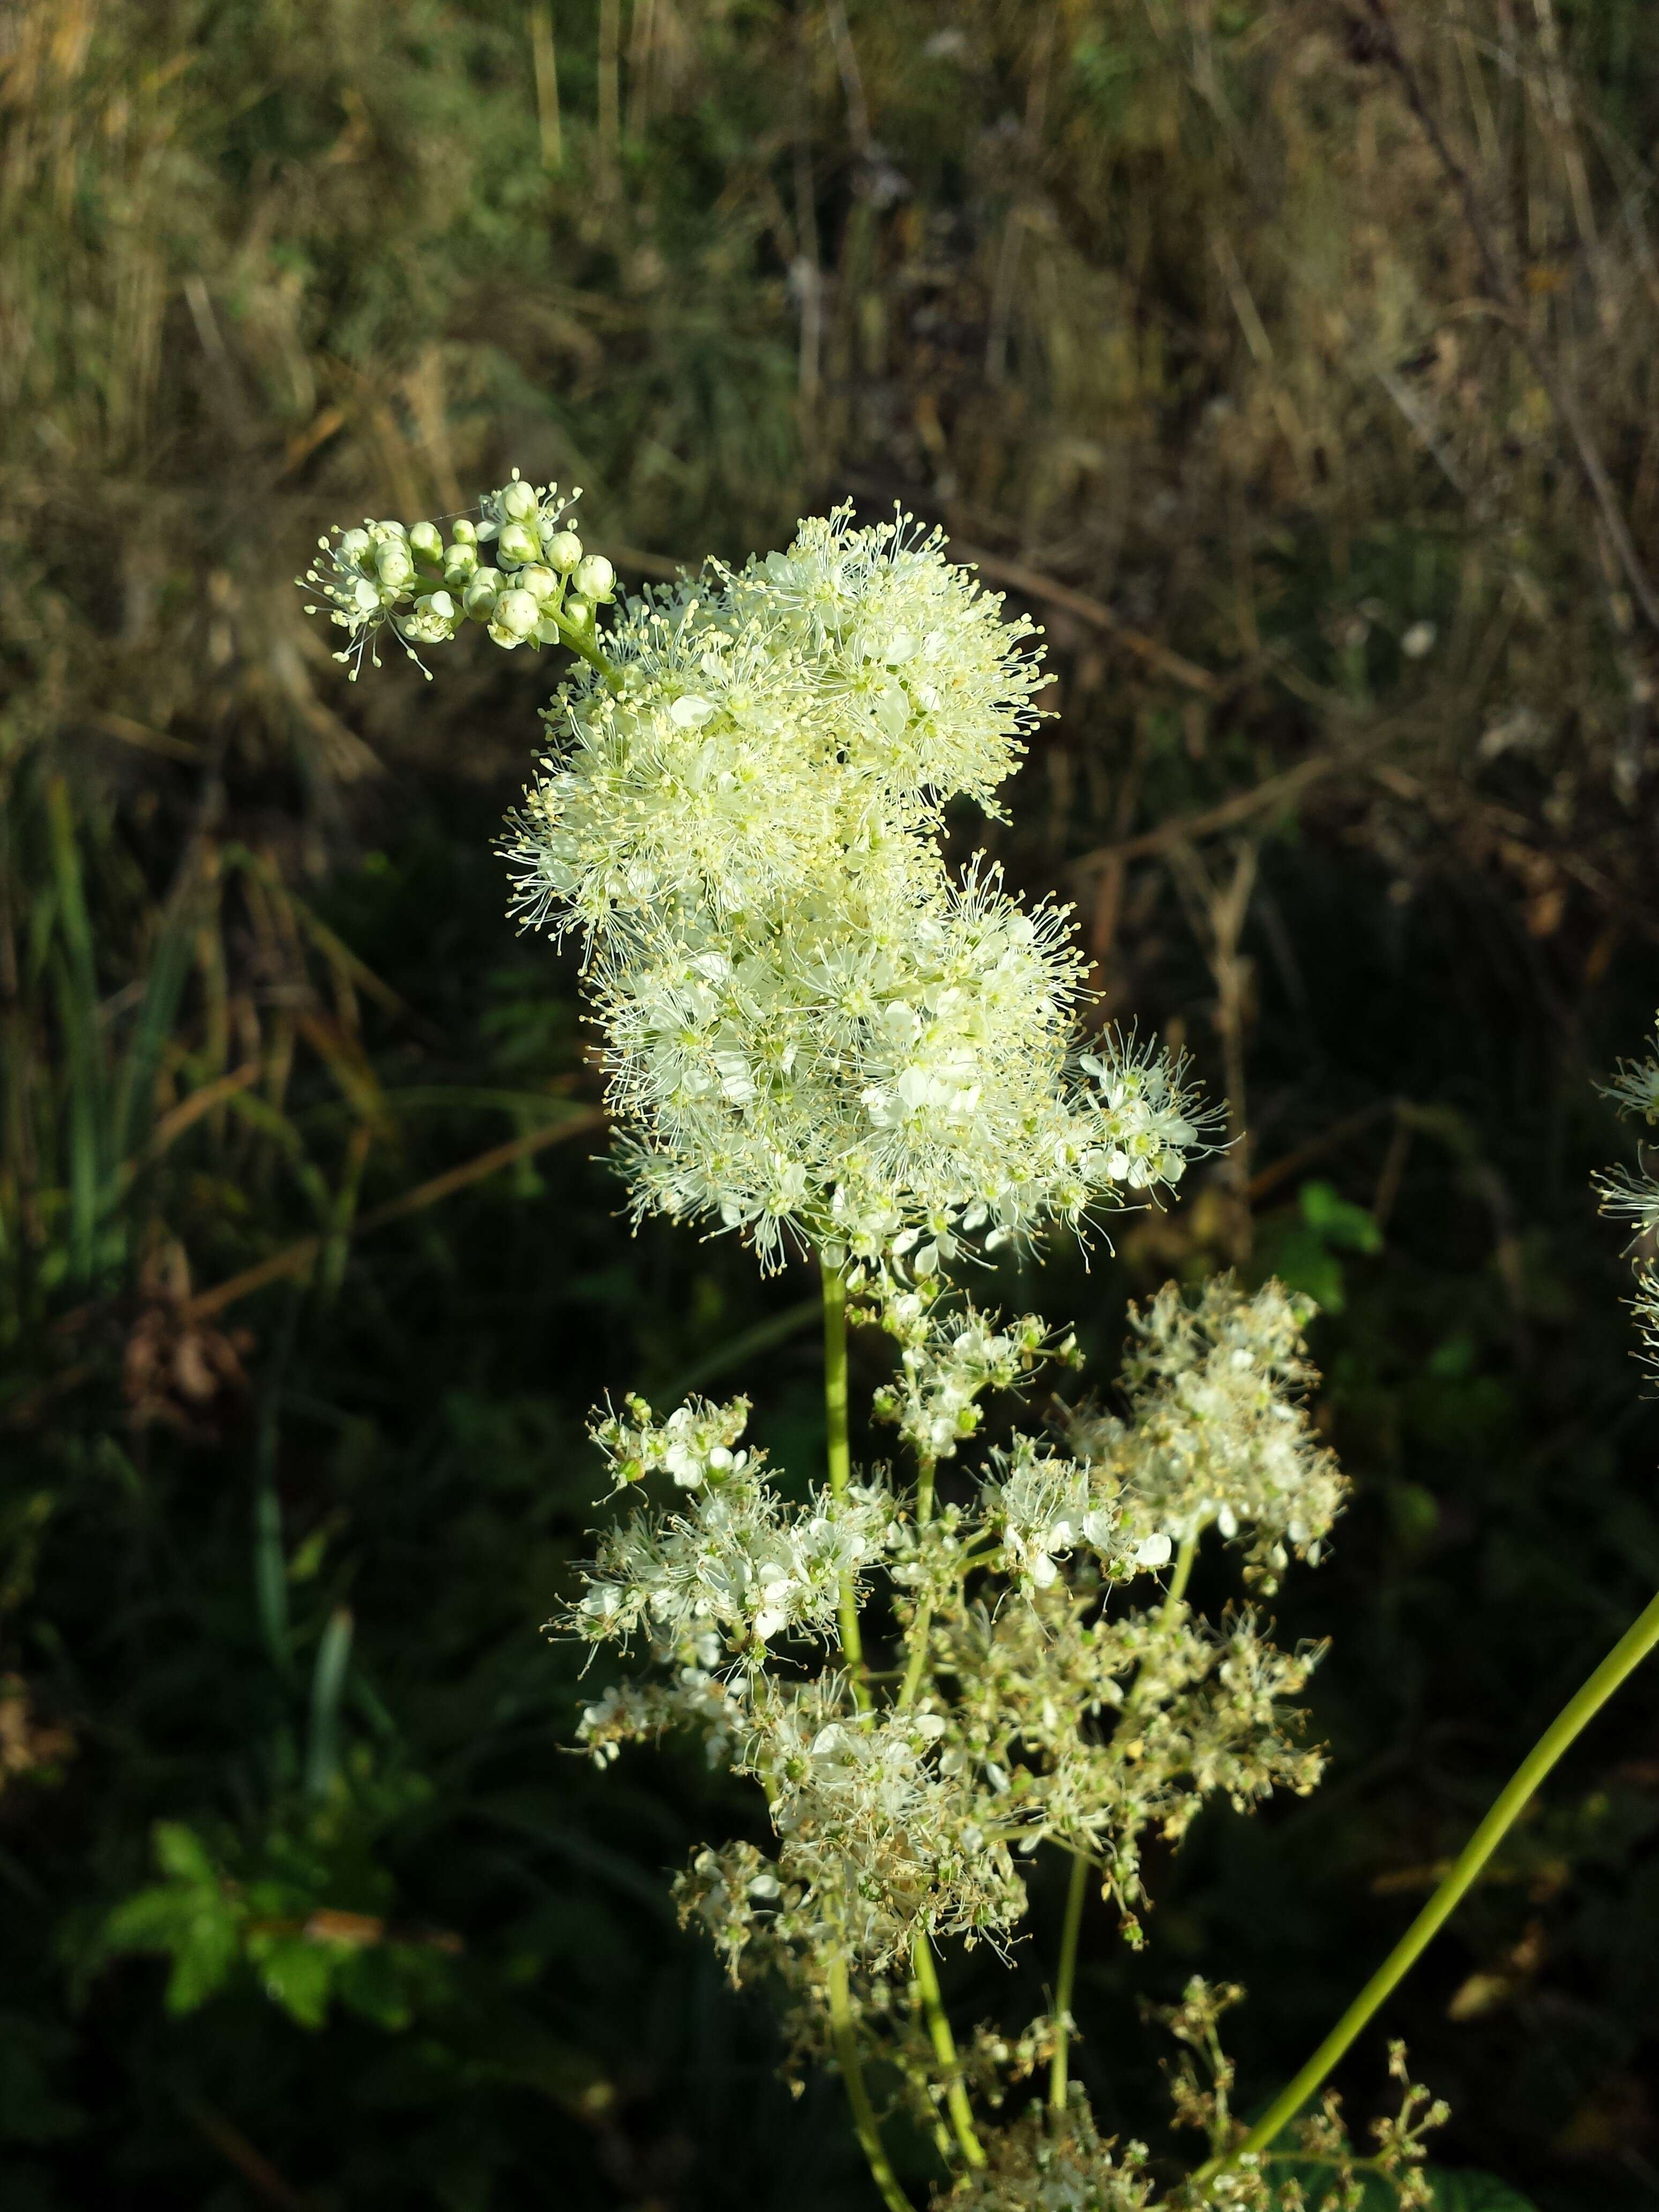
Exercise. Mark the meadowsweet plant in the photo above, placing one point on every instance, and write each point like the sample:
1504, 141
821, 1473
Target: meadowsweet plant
818, 1037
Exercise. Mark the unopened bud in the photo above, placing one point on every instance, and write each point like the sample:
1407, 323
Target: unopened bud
426, 543
594, 577
541, 583
578, 612
392, 564
517, 546
517, 614
353, 546
481, 593
563, 548
460, 562
519, 502
464, 533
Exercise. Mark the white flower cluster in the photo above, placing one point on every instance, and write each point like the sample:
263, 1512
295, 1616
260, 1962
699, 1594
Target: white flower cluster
741, 1566
695, 1444
1218, 1434
1043, 1508
542, 589
814, 1035
949, 1358
1633, 1192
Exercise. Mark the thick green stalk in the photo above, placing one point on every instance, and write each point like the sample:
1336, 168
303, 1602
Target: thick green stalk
1626, 1655
840, 1463
944, 2049
1065, 1981
844, 2035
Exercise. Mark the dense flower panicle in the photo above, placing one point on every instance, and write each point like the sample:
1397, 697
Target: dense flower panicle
815, 1035
1219, 1434
932, 697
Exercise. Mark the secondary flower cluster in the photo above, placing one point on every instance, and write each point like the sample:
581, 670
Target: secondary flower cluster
741, 1566
1218, 1435
1031, 1710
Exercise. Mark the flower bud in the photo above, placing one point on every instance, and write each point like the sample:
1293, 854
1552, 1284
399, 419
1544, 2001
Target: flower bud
578, 612
460, 562
516, 616
464, 533
352, 547
393, 566
541, 583
563, 548
519, 502
594, 577
426, 543
517, 546
481, 594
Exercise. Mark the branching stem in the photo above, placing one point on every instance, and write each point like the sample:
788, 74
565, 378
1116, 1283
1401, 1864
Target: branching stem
840, 1464
844, 2035
944, 2049
1637, 1641
1065, 1981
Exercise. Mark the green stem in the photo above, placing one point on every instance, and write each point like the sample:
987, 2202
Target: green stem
919, 1629
1065, 1981
1183, 1574
1625, 1656
844, 2035
584, 642
916, 1641
925, 1986
840, 1461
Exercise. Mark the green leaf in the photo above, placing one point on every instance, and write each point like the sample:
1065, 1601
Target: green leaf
156, 1919
181, 1852
1339, 1221
204, 1961
298, 1975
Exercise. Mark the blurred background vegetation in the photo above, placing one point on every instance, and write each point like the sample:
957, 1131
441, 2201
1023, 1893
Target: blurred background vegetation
1294, 362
